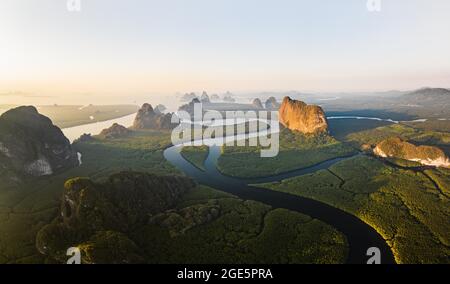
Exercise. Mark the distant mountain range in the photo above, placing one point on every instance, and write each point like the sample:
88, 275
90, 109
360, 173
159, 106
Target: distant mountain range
427, 97
421, 103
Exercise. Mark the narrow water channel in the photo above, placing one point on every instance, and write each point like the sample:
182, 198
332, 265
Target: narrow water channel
360, 236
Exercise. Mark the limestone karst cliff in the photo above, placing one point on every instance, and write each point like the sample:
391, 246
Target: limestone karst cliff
299, 116
115, 131
30, 145
396, 147
271, 103
205, 98
99, 217
148, 118
257, 103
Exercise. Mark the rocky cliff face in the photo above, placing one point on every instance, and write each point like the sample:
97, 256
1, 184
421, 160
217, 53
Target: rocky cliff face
271, 103
228, 97
115, 131
85, 137
100, 216
148, 118
122, 201
298, 116
30, 145
215, 97
205, 98
257, 103
426, 155
188, 97
190, 106
160, 108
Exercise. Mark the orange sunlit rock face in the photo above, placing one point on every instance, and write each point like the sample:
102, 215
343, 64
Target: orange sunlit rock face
299, 116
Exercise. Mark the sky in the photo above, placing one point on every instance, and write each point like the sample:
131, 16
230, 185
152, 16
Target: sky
120, 49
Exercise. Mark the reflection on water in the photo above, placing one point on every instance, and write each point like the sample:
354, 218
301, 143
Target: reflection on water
362, 118
75, 132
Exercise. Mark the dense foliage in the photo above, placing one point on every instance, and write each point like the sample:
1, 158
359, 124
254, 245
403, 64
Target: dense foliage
296, 151
404, 206
205, 226
196, 155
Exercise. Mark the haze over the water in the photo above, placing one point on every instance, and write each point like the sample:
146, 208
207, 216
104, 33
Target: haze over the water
122, 51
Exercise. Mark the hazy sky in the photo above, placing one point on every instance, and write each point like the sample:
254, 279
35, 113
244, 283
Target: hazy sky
167, 46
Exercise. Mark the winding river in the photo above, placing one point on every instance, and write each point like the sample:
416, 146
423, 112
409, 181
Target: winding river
360, 236
95, 128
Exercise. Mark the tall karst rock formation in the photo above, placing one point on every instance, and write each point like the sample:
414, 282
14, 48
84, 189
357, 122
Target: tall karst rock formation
299, 116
